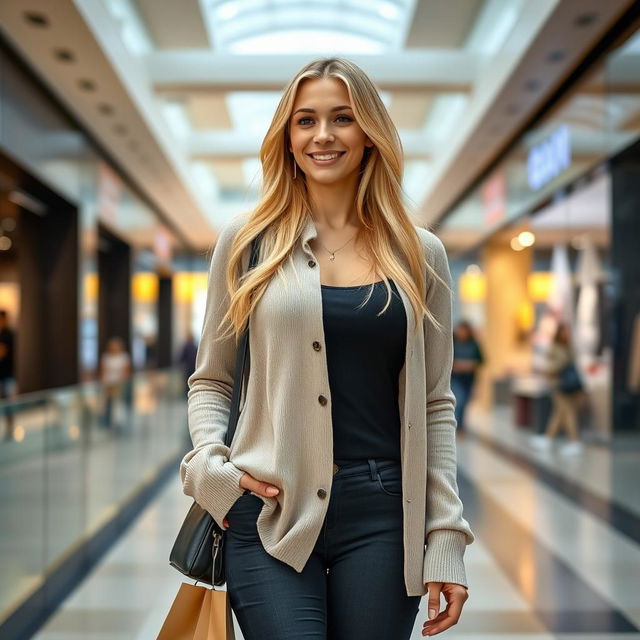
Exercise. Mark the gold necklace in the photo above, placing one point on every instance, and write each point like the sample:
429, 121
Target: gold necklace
332, 254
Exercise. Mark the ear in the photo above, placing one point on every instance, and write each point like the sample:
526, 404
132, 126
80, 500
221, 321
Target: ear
369, 144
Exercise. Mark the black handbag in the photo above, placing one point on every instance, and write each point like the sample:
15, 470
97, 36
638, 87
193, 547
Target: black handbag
197, 551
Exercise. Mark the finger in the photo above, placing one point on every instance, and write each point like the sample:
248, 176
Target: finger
447, 618
247, 481
433, 605
269, 489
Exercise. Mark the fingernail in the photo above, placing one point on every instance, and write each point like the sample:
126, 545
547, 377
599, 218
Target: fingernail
432, 614
272, 490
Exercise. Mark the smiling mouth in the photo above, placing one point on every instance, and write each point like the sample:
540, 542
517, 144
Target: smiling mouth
326, 156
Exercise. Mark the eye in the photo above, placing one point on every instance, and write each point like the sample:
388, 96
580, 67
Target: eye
307, 120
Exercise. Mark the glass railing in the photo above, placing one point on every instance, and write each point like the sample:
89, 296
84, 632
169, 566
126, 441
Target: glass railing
65, 470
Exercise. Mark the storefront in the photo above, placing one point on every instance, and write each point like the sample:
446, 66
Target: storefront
551, 234
94, 259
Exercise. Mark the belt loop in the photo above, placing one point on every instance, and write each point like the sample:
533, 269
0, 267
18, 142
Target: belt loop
373, 469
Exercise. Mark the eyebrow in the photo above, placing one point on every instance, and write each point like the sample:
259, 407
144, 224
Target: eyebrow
307, 110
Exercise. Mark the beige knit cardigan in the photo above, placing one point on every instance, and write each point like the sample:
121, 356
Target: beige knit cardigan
284, 434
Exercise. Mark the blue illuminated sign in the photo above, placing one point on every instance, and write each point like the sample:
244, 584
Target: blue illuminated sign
549, 158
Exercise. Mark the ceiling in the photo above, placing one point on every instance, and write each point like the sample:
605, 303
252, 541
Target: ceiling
191, 86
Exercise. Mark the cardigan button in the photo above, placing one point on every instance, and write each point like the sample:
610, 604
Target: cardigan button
322, 494
410, 425
312, 263
408, 499
322, 400
316, 345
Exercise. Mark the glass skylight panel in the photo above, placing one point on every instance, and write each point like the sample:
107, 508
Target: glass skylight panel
445, 116
176, 117
251, 112
252, 172
132, 29
312, 42
416, 180
290, 26
493, 26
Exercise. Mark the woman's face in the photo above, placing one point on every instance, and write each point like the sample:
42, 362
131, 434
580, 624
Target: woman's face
322, 123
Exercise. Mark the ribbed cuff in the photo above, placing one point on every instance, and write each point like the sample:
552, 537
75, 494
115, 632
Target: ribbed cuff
443, 561
214, 483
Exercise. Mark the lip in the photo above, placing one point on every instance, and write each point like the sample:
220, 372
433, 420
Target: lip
325, 163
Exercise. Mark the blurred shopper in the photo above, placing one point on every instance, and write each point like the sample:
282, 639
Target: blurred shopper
467, 358
114, 375
566, 389
7, 379
332, 229
187, 358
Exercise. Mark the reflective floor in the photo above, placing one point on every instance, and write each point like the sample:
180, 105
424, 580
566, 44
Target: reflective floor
557, 553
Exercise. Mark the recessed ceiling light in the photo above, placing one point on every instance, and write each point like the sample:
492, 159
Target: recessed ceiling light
87, 85
120, 129
586, 19
36, 19
533, 84
558, 55
64, 55
512, 109
105, 109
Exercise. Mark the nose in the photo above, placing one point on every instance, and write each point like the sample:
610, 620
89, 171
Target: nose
324, 134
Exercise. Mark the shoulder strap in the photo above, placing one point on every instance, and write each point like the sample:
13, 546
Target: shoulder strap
241, 358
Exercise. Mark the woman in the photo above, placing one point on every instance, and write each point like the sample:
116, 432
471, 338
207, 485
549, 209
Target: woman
467, 357
337, 476
565, 390
114, 373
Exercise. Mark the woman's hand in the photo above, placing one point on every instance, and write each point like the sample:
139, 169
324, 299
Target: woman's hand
263, 488
247, 481
455, 595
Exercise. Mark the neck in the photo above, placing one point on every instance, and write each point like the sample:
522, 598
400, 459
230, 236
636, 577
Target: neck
333, 206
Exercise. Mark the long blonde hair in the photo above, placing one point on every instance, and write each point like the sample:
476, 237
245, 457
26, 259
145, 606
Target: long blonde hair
283, 210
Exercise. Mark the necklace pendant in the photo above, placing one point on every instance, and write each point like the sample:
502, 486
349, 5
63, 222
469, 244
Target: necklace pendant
332, 257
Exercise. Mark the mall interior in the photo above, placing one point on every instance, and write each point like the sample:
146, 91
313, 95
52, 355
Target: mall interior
130, 133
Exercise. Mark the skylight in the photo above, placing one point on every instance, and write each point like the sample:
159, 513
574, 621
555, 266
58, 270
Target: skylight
307, 26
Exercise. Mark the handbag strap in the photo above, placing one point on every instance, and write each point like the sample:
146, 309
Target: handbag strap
241, 358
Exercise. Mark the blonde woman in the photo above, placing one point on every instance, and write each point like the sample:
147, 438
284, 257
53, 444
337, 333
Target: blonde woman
338, 493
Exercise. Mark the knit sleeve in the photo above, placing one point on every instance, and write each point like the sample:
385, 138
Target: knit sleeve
207, 474
447, 532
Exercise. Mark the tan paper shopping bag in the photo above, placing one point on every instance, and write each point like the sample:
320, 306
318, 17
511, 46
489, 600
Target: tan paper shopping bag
198, 613
215, 621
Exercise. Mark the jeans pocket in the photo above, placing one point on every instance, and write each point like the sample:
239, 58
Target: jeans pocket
390, 481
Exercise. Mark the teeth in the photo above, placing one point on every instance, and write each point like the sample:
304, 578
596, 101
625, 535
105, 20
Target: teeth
330, 156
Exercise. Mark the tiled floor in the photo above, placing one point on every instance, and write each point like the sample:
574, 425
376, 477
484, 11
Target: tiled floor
548, 562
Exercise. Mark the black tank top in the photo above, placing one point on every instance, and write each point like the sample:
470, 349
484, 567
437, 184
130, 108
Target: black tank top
365, 354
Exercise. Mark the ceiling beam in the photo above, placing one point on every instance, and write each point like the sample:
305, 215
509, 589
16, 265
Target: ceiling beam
172, 70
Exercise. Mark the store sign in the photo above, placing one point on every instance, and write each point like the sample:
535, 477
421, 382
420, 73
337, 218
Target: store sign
494, 199
549, 158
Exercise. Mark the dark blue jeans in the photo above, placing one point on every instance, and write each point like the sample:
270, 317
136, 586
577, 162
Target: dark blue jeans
462, 386
352, 587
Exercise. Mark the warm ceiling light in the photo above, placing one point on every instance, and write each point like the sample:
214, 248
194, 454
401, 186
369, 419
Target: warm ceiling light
87, 85
558, 55
64, 55
526, 238
515, 244
36, 19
